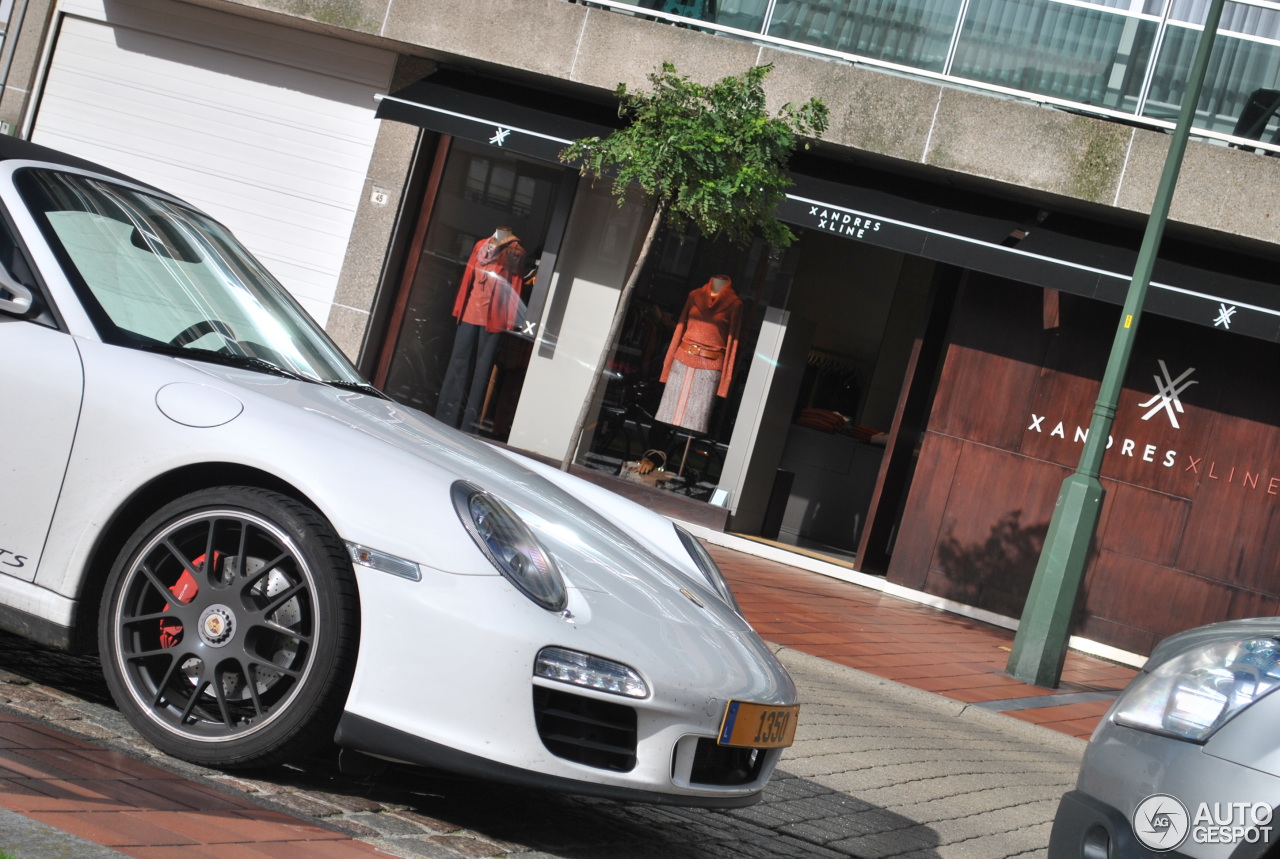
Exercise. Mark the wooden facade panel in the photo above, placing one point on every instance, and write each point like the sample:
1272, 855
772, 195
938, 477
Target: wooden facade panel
1119, 635
985, 546
1001, 505
1240, 508
1252, 604
1152, 597
922, 516
1056, 418
1234, 469
1143, 524
1190, 527
1000, 362
991, 595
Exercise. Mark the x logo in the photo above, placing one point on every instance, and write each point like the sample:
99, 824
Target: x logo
1224, 315
1166, 398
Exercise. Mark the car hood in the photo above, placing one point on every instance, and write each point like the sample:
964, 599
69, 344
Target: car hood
1192, 638
593, 552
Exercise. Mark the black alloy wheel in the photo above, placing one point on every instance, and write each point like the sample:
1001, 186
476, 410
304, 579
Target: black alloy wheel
229, 628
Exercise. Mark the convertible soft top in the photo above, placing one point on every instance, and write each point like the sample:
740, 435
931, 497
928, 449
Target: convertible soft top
14, 148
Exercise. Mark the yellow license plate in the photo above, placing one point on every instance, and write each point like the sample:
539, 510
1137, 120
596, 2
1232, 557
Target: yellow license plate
759, 726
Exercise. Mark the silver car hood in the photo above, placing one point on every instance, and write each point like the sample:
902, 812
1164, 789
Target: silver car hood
1192, 638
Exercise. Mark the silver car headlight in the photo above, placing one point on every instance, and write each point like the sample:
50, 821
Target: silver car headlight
509, 545
1197, 692
707, 565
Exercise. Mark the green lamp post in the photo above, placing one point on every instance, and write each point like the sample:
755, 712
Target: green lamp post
1040, 646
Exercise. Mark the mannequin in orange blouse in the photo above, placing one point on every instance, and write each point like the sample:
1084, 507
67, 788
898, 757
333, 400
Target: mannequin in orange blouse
487, 304
700, 359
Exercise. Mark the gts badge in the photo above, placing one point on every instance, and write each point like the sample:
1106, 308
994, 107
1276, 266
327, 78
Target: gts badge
12, 560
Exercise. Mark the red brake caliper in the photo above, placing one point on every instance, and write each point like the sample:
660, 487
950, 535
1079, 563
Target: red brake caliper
184, 591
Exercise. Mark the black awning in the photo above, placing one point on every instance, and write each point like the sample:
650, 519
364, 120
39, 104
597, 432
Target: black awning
1193, 282
511, 116
972, 229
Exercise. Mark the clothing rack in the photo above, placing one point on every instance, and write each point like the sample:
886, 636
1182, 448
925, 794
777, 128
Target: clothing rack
831, 362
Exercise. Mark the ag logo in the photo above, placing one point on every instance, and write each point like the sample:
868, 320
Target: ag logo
1160, 821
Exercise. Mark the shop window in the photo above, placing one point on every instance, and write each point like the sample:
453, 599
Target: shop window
676, 376
461, 342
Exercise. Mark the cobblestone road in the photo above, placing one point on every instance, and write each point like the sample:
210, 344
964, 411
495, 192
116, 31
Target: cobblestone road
878, 770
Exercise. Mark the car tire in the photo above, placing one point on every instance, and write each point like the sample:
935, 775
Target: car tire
242, 662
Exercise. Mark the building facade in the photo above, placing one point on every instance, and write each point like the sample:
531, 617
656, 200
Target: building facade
901, 391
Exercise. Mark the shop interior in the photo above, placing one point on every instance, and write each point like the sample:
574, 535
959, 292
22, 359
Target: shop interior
862, 307
858, 306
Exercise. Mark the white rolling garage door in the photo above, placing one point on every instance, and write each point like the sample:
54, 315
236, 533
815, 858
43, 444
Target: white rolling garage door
268, 129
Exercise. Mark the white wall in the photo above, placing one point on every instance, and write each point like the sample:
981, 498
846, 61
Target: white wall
268, 129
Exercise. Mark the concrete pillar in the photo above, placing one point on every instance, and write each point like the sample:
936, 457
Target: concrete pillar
601, 242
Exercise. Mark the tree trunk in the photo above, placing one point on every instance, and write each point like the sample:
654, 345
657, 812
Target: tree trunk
619, 314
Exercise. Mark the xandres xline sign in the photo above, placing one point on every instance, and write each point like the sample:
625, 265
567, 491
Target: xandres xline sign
1166, 401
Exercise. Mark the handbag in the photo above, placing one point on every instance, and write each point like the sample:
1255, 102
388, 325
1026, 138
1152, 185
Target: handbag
646, 471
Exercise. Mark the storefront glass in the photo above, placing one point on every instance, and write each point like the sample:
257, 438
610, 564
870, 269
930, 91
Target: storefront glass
675, 379
851, 311
464, 339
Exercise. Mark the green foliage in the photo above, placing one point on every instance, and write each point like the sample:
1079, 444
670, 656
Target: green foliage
710, 155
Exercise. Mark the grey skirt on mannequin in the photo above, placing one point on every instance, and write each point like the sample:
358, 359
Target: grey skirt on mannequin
688, 398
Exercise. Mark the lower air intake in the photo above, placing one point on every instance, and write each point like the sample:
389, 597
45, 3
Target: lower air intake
585, 730
725, 766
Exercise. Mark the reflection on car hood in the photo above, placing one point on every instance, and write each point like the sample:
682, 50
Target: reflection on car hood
593, 552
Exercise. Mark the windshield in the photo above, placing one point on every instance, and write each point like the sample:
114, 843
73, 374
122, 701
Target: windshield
159, 276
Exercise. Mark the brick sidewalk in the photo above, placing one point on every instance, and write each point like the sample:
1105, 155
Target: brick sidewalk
913, 644
140, 810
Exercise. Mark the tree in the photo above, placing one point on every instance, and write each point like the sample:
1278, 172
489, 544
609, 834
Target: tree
707, 155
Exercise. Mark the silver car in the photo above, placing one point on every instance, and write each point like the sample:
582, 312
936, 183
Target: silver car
1187, 761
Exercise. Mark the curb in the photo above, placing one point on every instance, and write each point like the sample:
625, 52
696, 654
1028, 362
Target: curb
893, 689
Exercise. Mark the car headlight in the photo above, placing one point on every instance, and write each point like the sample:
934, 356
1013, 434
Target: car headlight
589, 672
509, 545
1197, 692
710, 571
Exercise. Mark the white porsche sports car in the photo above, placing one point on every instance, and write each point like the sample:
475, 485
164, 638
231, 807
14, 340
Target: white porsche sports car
271, 555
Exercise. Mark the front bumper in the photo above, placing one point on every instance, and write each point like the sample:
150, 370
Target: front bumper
444, 684
1087, 828
1125, 767
365, 735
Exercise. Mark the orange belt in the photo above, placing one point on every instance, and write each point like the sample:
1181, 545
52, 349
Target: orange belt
701, 351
